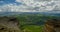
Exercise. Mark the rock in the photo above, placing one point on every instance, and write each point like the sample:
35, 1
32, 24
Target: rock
52, 25
9, 24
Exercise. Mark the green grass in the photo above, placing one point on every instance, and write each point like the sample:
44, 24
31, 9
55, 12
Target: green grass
25, 20
32, 28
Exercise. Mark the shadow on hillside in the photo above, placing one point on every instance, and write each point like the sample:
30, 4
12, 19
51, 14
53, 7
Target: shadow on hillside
52, 25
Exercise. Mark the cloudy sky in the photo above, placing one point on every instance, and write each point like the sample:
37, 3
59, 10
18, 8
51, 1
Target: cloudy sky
29, 5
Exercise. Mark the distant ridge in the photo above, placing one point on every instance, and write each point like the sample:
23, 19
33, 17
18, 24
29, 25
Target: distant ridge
17, 13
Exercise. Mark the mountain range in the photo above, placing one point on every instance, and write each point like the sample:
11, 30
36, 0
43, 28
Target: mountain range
17, 13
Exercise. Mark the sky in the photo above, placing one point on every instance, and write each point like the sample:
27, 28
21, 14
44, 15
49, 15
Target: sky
30, 6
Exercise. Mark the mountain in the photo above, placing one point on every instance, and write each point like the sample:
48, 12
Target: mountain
17, 13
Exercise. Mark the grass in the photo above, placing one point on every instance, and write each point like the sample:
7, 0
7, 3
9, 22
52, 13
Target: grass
32, 28
26, 20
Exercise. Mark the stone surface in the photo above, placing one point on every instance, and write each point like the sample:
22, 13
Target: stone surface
9, 24
52, 25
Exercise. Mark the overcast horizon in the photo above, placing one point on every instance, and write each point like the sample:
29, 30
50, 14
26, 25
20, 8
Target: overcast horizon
29, 5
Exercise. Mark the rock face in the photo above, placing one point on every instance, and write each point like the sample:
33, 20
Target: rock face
52, 25
9, 24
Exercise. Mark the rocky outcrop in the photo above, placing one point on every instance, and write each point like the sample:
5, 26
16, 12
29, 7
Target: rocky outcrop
52, 25
9, 24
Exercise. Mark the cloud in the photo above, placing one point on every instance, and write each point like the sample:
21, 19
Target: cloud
34, 2
14, 8
20, 8
41, 5
32, 6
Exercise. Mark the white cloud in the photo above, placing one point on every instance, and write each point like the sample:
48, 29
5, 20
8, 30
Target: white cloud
20, 8
32, 6
43, 5
34, 2
14, 8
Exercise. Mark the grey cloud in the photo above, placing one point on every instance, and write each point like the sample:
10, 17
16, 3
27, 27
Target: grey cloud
42, 0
